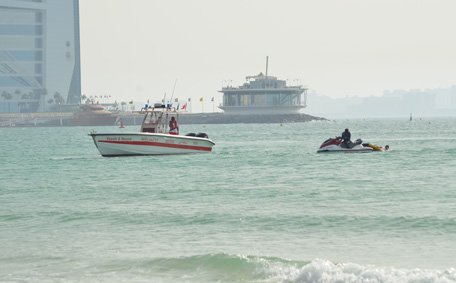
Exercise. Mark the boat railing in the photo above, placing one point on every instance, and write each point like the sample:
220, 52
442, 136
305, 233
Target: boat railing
158, 108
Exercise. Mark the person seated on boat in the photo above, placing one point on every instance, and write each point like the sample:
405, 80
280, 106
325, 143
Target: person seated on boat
173, 126
346, 136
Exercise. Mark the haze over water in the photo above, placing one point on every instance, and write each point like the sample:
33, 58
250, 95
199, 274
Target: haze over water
262, 207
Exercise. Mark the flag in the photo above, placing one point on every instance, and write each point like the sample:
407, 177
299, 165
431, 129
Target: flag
212, 99
184, 106
201, 99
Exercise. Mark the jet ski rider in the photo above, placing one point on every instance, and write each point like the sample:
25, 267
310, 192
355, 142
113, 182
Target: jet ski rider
346, 136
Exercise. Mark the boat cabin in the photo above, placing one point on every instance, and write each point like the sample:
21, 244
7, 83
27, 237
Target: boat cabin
156, 119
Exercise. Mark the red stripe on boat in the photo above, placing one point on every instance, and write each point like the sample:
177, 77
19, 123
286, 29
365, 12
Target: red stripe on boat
148, 143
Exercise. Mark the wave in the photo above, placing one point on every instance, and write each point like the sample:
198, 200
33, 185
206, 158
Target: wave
237, 268
64, 158
429, 224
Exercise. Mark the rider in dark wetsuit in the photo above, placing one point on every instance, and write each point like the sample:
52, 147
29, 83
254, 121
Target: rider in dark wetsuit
346, 136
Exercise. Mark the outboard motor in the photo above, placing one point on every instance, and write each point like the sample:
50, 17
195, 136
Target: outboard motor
202, 135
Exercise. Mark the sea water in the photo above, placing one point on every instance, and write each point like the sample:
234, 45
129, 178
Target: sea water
262, 207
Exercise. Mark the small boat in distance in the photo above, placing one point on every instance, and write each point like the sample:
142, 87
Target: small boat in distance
93, 115
154, 138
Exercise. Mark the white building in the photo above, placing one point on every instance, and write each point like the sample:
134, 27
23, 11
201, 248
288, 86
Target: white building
39, 54
263, 94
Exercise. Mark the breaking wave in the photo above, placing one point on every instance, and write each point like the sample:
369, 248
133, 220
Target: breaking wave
236, 268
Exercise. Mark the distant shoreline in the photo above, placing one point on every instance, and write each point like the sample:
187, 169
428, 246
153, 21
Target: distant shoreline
67, 119
221, 118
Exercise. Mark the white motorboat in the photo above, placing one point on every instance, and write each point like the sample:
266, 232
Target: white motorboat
155, 137
336, 145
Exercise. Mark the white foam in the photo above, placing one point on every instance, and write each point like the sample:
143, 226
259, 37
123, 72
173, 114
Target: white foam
324, 271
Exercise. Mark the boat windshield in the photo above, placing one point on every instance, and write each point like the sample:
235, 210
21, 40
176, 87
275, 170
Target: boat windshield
152, 122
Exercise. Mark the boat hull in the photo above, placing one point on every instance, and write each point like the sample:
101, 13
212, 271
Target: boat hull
124, 144
334, 148
336, 145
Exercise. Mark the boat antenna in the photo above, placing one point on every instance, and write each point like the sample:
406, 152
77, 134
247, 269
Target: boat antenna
174, 88
267, 59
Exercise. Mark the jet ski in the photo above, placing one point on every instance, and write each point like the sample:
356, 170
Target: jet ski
336, 145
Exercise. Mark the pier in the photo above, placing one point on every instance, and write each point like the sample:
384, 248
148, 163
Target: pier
34, 119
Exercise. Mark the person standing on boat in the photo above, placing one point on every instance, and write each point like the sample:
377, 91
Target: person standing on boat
173, 126
346, 138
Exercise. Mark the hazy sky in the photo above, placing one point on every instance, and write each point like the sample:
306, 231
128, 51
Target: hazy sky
136, 49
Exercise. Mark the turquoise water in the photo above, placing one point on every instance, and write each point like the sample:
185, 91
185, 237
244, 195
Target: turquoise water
262, 207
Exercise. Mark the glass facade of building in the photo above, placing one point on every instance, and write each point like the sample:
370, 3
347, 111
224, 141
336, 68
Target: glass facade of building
39, 63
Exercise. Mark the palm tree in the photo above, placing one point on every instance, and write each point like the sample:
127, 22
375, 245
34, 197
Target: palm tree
58, 98
123, 103
132, 107
7, 96
83, 98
